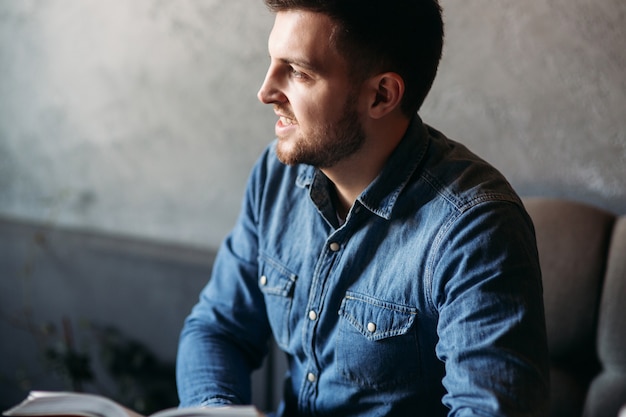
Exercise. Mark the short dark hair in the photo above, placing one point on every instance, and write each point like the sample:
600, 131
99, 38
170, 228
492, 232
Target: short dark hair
401, 36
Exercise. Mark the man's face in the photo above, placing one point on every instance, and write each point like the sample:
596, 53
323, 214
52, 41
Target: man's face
309, 84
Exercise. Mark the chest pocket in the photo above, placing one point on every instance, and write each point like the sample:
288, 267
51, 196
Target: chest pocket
377, 345
277, 285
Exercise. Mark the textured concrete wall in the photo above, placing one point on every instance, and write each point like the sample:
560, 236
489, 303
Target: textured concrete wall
136, 117
123, 300
140, 117
539, 89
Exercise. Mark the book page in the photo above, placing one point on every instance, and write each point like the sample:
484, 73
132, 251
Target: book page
42, 403
227, 411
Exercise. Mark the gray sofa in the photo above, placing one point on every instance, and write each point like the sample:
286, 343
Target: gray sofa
582, 252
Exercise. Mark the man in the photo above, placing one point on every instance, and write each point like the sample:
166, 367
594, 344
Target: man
396, 270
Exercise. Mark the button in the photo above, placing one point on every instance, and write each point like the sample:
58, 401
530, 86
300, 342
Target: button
263, 280
335, 246
312, 315
311, 377
371, 327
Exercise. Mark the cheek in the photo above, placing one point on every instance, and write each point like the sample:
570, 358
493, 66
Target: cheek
320, 110
315, 106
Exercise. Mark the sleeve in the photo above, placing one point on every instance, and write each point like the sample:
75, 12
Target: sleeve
226, 335
488, 293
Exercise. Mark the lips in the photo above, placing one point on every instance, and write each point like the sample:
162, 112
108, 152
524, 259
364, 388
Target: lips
285, 117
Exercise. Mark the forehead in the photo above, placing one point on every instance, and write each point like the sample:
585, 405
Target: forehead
304, 37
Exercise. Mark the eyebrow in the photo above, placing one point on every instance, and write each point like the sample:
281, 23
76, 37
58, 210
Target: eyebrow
308, 65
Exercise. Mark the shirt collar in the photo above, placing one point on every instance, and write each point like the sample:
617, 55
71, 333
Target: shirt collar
381, 195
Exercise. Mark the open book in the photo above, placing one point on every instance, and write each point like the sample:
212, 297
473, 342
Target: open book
42, 403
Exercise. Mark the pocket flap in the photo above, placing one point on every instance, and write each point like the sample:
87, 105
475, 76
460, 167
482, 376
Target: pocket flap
274, 278
376, 319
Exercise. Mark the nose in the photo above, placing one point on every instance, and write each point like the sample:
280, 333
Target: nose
270, 91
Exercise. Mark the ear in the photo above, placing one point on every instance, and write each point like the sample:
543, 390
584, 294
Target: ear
386, 92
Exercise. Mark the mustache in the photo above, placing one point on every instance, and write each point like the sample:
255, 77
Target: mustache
284, 111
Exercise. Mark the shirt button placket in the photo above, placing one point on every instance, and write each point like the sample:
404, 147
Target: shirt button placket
313, 316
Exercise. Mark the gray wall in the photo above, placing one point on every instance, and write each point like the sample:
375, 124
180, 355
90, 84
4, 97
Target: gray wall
118, 302
140, 118
538, 88
134, 117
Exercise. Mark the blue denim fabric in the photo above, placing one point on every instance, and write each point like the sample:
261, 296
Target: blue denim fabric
427, 301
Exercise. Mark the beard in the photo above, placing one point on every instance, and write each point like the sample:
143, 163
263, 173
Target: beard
326, 144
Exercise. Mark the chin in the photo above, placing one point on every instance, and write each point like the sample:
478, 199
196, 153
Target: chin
286, 152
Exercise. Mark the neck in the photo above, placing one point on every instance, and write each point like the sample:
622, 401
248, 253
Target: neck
352, 175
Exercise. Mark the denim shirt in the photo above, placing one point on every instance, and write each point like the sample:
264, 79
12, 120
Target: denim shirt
426, 301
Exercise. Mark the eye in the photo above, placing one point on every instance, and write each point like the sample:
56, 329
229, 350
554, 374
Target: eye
295, 73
